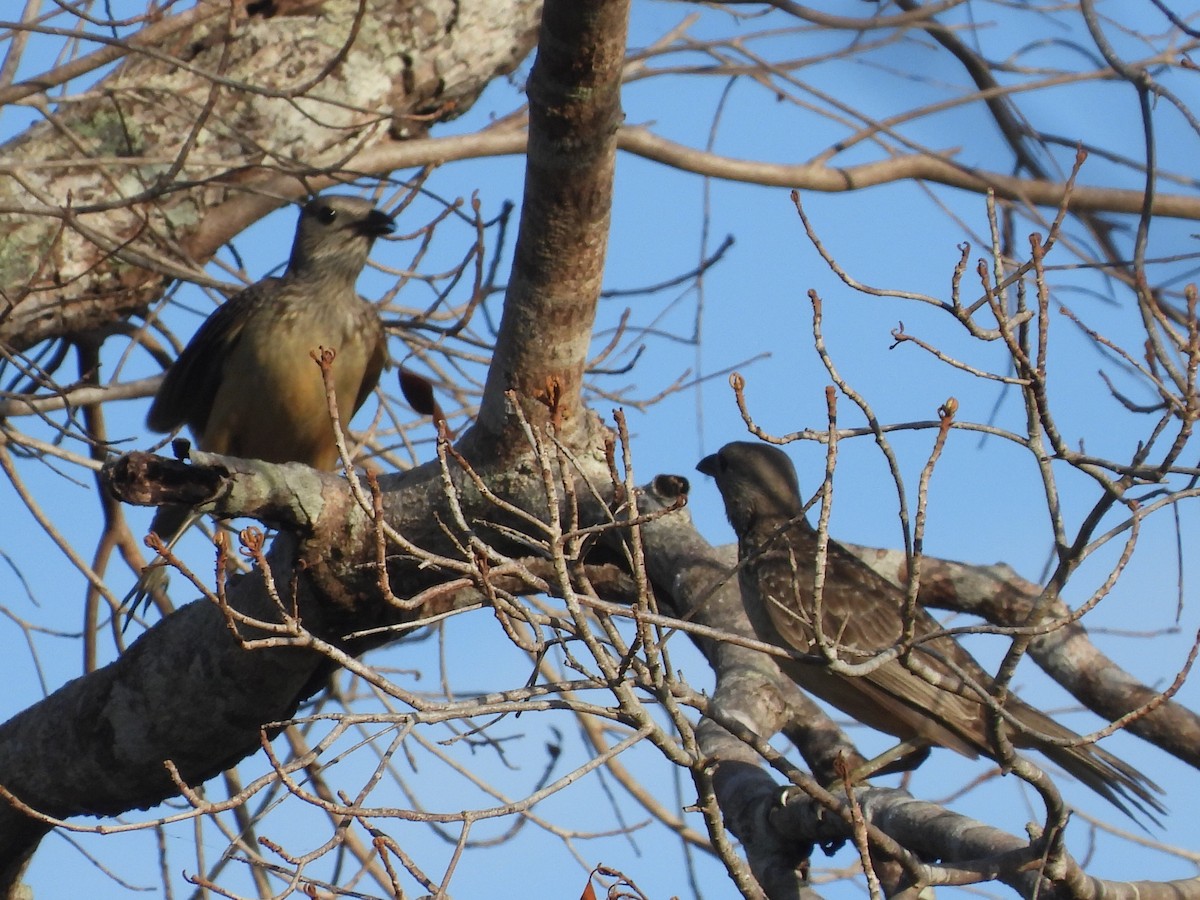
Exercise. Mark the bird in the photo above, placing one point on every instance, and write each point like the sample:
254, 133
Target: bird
862, 614
246, 385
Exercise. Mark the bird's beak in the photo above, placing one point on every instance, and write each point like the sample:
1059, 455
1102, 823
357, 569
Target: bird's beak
708, 465
377, 224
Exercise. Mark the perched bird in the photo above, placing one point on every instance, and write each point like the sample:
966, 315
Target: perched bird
861, 615
246, 384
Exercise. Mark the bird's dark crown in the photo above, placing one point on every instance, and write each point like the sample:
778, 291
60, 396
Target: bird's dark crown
757, 482
335, 234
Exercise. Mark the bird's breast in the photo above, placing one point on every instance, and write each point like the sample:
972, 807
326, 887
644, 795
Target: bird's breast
272, 402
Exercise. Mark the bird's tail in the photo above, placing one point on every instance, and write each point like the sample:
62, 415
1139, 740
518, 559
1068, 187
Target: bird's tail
169, 524
1109, 776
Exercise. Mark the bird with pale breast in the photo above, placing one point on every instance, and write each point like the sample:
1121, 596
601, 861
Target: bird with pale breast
246, 384
861, 615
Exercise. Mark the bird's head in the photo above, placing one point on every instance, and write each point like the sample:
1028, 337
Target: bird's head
757, 482
335, 235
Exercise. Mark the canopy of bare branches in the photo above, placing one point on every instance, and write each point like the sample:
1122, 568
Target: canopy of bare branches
958, 287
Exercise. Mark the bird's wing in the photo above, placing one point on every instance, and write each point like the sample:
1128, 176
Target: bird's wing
187, 391
861, 614
375, 362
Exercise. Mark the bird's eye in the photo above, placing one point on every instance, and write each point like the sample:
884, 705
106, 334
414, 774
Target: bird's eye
326, 214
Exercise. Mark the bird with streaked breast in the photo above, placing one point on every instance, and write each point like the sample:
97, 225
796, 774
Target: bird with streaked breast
246, 384
862, 614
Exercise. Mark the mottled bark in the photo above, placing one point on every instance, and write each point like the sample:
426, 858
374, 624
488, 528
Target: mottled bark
110, 197
575, 97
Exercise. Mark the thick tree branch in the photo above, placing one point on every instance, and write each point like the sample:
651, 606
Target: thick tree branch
188, 690
545, 332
